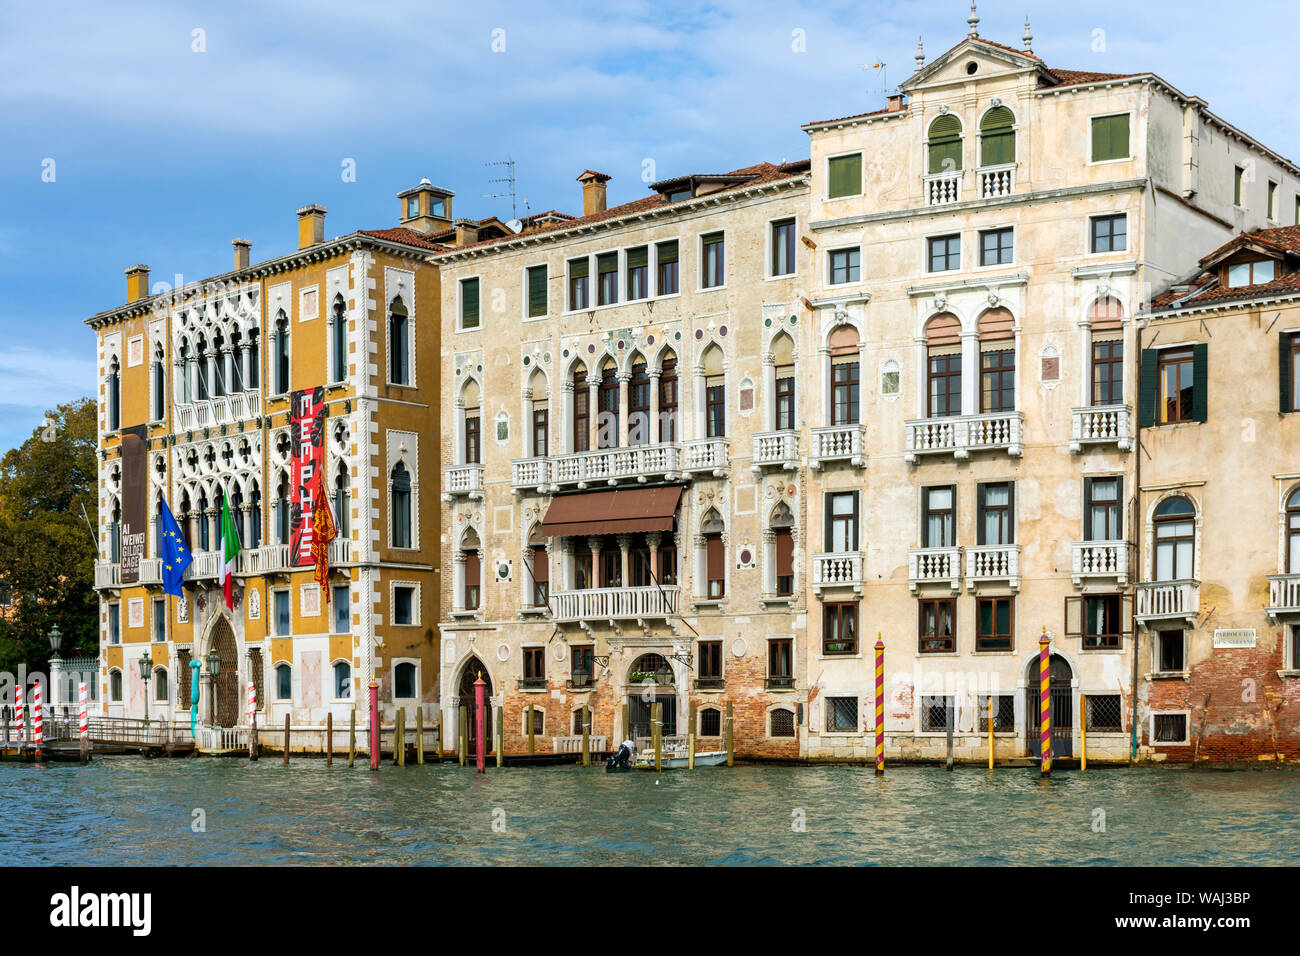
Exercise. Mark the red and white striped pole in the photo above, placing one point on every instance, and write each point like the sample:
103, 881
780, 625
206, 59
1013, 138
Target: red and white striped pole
20, 718
84, 714
38, 731
252, 721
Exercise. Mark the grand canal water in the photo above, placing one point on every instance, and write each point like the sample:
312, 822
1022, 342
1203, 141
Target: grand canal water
127, 810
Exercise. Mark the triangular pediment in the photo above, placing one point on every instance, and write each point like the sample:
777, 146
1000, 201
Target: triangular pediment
990, 59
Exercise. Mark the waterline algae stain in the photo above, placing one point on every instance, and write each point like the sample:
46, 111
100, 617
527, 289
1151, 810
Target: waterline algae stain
127, 811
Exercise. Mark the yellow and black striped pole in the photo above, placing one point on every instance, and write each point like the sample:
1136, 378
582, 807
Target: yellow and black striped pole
880, 704
1045, 705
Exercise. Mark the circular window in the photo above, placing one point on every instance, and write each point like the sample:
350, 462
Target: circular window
971, 67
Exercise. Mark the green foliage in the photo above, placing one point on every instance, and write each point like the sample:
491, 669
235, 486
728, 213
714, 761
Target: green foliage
47, 550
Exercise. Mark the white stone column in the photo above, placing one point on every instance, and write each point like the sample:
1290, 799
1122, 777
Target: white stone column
701, 403
458, 582
701, 586
769, 561
652, 431
624, 544
769, 392
566, 417
458, 433
624, 426
529, 444
593, 414
970, 373
826, 384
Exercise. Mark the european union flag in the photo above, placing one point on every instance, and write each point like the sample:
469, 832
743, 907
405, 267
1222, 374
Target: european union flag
176, 556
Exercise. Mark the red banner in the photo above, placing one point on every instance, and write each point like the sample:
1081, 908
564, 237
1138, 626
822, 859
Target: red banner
307, 431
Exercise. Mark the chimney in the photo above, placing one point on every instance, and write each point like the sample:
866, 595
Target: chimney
895, 102
241, 253
311, 225
593, 191
137, 283
466, 232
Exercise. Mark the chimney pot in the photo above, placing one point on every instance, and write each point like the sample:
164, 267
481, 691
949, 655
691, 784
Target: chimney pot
311, 225
593, 191
895, 102
137, 282
242, 246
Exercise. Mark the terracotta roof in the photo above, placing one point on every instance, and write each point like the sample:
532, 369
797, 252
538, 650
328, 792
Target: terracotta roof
1077, 77
758, 174
1206, 289
405, 236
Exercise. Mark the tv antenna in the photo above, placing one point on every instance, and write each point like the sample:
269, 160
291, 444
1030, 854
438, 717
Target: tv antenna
509, 180
884, 77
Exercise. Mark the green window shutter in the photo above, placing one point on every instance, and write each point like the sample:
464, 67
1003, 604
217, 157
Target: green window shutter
637, 258
945, 144
607, 263
1200, 375
1284, 371
536, 291
845, 176
1147, 388
469, 304
667, 252
1110, 138
997, 137
578, 268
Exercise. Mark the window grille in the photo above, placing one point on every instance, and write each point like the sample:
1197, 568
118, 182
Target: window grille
1105, 713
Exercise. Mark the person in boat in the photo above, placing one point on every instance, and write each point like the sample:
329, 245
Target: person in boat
620, 759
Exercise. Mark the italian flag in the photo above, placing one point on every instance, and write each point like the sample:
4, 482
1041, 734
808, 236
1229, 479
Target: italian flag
229, 551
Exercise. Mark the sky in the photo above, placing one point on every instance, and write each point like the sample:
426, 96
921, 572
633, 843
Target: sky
157, 132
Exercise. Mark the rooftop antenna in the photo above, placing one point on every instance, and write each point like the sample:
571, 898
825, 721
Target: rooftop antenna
509, 180
884, 77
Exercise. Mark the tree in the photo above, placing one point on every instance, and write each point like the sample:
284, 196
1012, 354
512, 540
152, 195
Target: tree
47, 549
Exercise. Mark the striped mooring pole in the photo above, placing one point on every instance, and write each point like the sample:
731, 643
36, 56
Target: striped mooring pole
38, 732
19, 717
84, 714
880, 704
1045, 705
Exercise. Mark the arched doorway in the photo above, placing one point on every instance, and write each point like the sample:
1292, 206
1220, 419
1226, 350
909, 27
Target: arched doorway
1061, 691
226, 712
465, 690
650, 681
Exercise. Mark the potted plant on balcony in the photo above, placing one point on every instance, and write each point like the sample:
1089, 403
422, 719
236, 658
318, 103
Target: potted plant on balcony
836, 647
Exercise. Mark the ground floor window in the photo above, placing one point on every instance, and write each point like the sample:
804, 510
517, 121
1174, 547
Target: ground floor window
404, 680
579, 721
936, 712
538, 718
841, 714
1169, 728
1295, 647
1105, 713
780, 668
710, 722
115, 686
1004, 713
710, 660
782, 723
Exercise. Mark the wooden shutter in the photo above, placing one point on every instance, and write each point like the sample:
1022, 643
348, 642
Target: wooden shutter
1073, 616
1150, 381
1011, 512
638, 257
666, 252
713, 564
784, 554
1200, 376
469, 303
845, 176
980, 500
1284, 372
857, 530
471, 569
536, 291
578, 268
1126, 615
541, 567
828, 508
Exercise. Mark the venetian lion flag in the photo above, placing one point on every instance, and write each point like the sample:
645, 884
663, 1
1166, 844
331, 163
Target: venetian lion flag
229, 551
322, 533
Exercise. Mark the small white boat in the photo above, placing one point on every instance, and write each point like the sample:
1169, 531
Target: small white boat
677, 758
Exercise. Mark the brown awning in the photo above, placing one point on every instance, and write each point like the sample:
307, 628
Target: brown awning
611, 512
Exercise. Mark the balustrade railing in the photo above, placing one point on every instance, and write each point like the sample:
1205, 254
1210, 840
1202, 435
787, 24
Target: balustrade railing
776, 450
837, 443
1101, 425
615, 603
934, 566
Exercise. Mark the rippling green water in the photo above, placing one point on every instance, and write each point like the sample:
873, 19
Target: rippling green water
128, 810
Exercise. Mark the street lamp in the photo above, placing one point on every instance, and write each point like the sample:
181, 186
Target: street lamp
146, 673
56, 640
57, 686
214, 668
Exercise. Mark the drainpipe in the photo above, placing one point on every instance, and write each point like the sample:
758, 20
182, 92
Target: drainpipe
1137, 542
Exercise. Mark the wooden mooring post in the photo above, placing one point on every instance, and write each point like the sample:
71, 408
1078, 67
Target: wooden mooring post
329, 738
419, 736
352, 737
656, 733
399, 738
1083, 733
437, 738
950, 719
690, 739
501, 736
252, 735
463, 735
731, 737
586, 736
286, 740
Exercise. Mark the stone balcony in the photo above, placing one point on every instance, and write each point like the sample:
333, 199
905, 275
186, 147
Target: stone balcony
1094, 560
1178, 602
530, 474
996, 181
959, 435
776, 450
943, 188
934, 566
108, 574
1283, 596
615, 604
705, 456
838, 443
610, 466
221, 410
1101, 425
462, 480
836, 569
993, 564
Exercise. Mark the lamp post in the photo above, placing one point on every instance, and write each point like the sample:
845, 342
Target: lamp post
214, 668
146, 674
55, 638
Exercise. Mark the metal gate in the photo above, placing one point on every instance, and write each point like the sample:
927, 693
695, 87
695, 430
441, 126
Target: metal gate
639, 713
227, 683
465, 689
1061, 694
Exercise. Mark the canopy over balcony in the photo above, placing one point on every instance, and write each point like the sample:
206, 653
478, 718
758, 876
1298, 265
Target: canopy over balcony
611, 512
